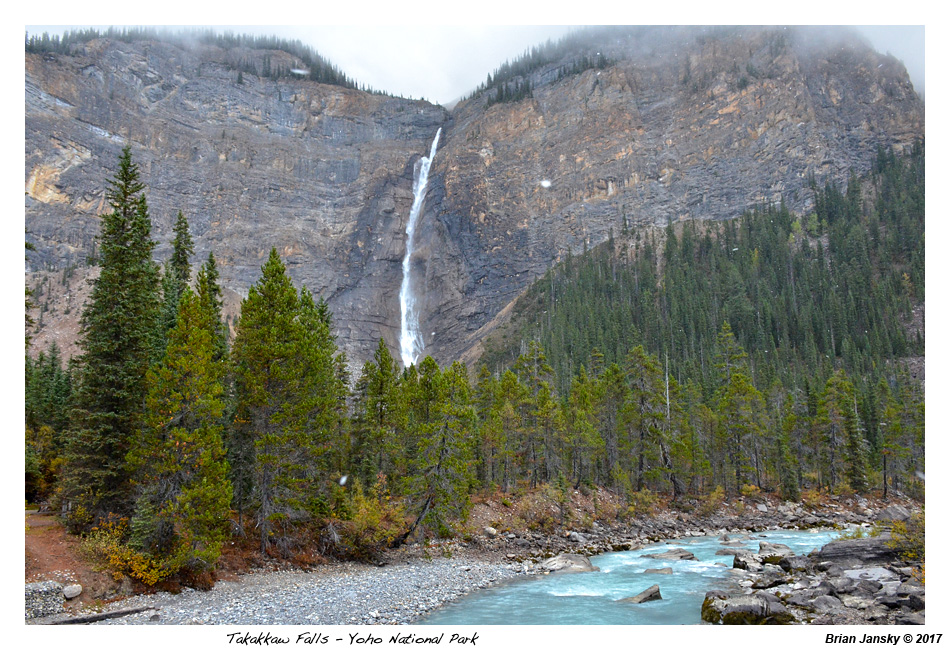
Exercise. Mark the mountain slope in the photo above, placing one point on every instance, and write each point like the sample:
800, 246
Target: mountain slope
684, 123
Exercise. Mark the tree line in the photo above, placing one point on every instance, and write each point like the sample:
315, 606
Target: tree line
576, 52
318, 68
165, 438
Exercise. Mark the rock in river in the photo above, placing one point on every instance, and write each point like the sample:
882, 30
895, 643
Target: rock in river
672, 554
567, 562
645, 596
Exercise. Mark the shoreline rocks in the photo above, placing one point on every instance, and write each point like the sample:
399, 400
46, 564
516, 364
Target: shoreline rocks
849, 581
672, 554
397, 593
755, 609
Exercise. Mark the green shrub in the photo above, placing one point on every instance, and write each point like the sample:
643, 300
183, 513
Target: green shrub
374, 523
105, 545
908, 539
538, 515
750, 491
811, 499
712, 501
642, 503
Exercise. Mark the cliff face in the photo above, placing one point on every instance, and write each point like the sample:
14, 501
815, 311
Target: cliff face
320, 172
683, 123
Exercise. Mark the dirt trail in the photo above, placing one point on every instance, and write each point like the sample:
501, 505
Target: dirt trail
53, 554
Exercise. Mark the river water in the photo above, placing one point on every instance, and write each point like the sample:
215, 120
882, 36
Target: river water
593, 598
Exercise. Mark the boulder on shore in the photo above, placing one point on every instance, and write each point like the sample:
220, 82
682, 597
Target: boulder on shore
796, 563
854, 552
747, 561
757, 609
893, 512
769, 548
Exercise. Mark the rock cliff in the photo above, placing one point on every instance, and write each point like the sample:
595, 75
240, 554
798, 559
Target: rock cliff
321, 172
682, 123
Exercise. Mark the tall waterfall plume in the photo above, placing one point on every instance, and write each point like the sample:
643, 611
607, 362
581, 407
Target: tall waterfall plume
410, 338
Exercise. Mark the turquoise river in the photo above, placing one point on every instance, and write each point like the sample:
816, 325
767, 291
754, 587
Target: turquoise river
594, 598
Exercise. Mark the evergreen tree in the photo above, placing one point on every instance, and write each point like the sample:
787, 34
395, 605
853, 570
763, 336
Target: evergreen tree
611, 394
285, 390
730, 357
489, 428
379, 415
511, 426
787, 465
178, 459
439, 473
582, 440
846, 449
176, 277
741, 409
48, 395
209, 297
534, 374
643, 415
182, 249
118, 327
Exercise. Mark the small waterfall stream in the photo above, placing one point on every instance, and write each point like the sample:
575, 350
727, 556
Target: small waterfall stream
410, 338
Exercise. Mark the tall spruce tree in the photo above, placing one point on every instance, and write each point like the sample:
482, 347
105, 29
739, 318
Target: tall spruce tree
118, 327
643, 415
176, 277
209, 298
439, 446
178, 460
844, 441
286, 399
183, 248
379, 416
741, 411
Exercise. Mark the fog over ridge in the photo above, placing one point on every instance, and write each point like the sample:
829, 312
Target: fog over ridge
444, 63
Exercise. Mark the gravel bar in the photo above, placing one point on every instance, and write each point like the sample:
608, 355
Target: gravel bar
339, 594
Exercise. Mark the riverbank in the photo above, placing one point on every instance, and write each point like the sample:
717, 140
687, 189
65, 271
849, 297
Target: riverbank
338, 594
418, 578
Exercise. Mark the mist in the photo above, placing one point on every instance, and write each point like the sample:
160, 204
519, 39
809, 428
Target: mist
444, 63
905, 42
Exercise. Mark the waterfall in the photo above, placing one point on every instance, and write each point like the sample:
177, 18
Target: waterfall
410, 338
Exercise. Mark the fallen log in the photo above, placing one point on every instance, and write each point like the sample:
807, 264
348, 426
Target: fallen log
92, 618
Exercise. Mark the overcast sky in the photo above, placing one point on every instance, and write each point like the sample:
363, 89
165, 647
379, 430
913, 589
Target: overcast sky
442, 63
